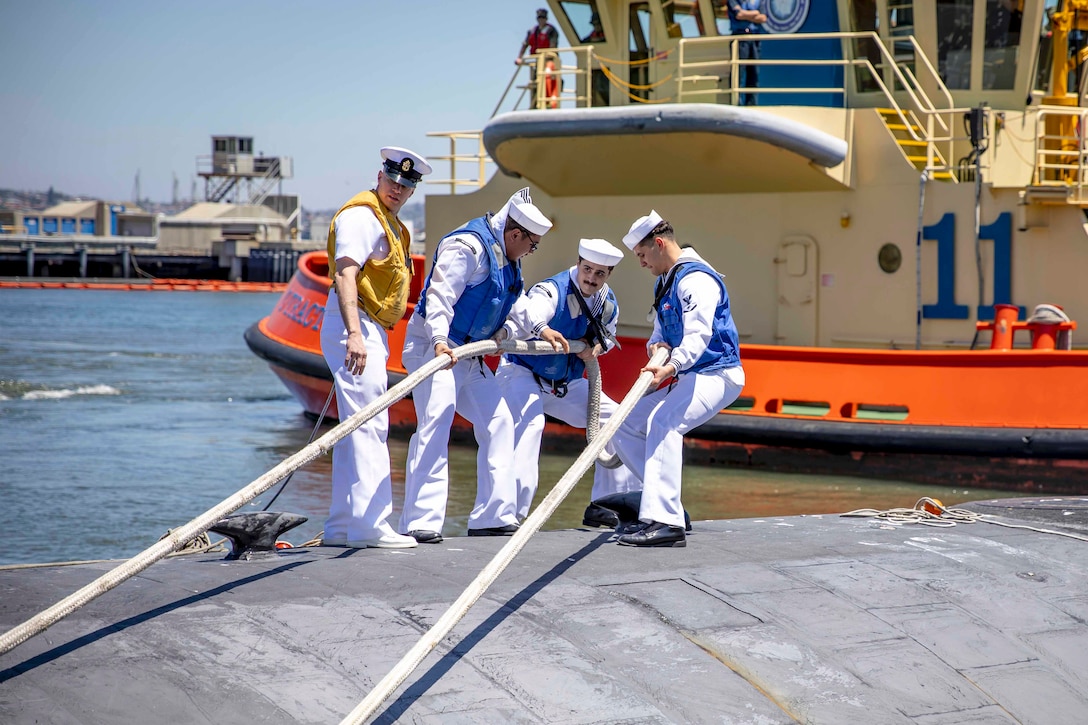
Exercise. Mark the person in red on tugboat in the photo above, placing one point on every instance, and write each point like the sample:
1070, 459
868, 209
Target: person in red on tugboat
540, 37
371, 269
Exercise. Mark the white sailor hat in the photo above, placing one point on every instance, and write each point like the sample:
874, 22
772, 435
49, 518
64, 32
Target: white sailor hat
599, 251
403, 166
526, 215
641, 228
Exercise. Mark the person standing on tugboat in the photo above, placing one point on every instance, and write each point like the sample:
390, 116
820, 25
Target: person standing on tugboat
746, 17
474, 281
540, 37
578, 304
692, 321
371, 268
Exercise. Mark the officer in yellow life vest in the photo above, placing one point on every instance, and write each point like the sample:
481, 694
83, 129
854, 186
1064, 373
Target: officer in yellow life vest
372, 271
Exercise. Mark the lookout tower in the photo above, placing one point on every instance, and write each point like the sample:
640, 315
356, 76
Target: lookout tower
232, 173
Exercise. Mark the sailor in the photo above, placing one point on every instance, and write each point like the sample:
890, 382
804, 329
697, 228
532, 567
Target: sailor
692, 321
578, 304
371, 270
474, 281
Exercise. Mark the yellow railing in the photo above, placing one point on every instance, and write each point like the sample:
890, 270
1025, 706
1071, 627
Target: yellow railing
558, 84
478, 158
708, 70
715, 62
1061, 151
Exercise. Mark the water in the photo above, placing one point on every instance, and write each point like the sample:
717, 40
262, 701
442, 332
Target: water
124, 414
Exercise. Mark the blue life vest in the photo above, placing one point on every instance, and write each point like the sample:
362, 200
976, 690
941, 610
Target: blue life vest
483, 307
568, 321
723, 348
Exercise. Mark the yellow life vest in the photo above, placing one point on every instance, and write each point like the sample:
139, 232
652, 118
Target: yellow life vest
383, 284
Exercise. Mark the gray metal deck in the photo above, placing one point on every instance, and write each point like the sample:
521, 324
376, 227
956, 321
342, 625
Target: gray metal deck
816, 619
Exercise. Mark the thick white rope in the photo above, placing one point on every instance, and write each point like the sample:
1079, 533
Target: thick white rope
931, 512
593, 413
177, 538
502, 559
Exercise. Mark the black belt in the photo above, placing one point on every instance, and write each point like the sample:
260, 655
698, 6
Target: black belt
559, 387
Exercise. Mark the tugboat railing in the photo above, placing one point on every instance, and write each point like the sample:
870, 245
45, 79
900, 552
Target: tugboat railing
478, 158
904, 93
1061, 151
936, 127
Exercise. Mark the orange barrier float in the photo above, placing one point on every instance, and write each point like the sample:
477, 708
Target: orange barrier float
155, 285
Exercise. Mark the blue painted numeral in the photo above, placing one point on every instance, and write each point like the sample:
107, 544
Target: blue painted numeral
944, 233
946, 308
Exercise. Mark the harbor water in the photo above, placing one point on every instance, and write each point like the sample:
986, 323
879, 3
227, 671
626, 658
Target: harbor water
125, 414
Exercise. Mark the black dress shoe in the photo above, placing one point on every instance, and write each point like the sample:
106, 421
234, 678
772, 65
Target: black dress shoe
596, 515
655, 534
630, 527
426, 537
508, 530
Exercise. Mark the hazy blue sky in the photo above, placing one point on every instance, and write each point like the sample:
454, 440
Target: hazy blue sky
91, 92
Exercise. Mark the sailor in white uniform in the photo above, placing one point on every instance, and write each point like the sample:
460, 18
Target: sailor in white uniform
474, 281
371, 272
692, 320
578, 304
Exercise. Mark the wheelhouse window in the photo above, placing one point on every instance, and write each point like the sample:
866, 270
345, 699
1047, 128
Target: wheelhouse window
954, 34
721, 16
682, 19
1002, 44
585, 20
639, 49
863, 19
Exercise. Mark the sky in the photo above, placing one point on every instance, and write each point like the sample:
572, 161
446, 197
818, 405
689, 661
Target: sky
93, 92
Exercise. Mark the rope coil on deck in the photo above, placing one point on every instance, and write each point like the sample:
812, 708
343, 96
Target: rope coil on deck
931, 512
177, 539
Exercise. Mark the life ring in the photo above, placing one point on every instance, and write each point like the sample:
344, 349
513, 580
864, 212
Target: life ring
551, 84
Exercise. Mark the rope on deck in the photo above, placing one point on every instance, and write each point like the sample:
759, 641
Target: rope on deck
177, 539
931, 512
505, 555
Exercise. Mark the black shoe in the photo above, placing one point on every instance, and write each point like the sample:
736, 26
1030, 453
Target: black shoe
426, 537
508, 530
630, 527
655, 534
687, 521
596, 515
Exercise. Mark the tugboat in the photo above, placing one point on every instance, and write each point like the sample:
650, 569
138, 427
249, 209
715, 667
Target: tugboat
899, 211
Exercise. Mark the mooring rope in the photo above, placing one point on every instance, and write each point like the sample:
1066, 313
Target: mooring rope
593, 413
177, 539
506, 554
931, 512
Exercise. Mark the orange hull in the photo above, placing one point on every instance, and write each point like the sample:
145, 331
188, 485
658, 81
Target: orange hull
1013, 406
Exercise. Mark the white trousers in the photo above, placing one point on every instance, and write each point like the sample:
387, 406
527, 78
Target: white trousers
469, 388
651, 439
528, 404
362, 491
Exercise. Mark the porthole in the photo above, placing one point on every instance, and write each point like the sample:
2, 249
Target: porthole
889, 258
